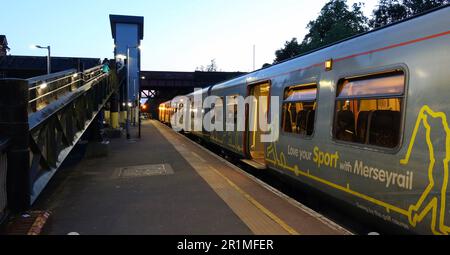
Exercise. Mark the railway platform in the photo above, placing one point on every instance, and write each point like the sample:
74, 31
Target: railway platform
165, 184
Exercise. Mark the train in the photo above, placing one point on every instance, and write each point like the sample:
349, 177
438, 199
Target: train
364, 120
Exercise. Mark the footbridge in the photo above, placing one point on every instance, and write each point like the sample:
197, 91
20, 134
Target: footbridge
41, 120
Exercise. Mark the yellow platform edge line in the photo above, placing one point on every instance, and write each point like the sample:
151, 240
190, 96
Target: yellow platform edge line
258, 205
247, 196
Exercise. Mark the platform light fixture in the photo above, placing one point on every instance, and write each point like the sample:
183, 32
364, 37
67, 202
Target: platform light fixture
43, 85
49, 58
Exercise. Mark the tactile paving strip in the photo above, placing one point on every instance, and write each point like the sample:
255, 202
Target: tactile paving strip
145, 171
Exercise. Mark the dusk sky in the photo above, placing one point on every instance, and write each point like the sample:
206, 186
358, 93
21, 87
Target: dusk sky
179, 35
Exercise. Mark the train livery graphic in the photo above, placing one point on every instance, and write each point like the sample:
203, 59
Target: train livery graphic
433, 199
364, 121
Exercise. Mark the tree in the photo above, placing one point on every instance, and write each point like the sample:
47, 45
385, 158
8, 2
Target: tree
212, 67
336, 21
418, 6
389, 11
291, 49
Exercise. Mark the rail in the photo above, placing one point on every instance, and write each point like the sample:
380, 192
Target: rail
48, 88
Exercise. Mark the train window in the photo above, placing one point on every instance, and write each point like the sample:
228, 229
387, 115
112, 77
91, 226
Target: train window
369, 109
299, 109
218, 111
232, 110
192, 109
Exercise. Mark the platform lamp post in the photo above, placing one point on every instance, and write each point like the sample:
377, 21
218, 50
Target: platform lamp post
49, 65
127, 99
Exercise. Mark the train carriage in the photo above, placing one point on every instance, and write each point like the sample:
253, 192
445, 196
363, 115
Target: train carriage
363, 120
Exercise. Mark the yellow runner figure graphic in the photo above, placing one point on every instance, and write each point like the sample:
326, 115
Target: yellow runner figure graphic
433, 199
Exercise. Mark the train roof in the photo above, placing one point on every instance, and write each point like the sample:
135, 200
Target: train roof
244, 78
364, 33
167, 102
203, 90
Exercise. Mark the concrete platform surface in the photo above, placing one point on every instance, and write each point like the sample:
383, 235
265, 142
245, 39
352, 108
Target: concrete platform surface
164, 184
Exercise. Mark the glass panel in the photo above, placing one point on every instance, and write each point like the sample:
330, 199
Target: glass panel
301, 94
369, 121
379, 86
299, 109
232, 109
299, 118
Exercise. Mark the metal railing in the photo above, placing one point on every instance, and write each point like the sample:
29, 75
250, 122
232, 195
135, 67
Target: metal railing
45, 117
48, 88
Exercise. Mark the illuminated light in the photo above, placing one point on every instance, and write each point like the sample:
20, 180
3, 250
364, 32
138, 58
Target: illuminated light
124, 104
33, 46
43, 86
143, 77
75, 75
130, 104
144, 107
120, 56
329, 65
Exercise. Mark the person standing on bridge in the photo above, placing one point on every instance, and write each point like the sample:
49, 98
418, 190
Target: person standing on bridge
105, 67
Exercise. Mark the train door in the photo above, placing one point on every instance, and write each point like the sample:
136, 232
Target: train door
255, 148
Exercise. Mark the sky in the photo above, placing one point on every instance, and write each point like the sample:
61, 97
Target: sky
178, 35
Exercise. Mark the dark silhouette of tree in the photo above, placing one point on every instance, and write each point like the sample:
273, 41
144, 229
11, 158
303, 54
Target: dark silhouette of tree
336, 21
266, 65
291, 49
418, 6
212, 67
389, 11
